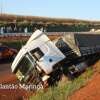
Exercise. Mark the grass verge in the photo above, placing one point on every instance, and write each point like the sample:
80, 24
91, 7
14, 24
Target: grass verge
64, 89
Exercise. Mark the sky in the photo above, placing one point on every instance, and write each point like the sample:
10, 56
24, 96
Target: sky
78, 9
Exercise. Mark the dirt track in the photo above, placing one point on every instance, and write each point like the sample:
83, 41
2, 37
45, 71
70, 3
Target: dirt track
6, 77
92, 90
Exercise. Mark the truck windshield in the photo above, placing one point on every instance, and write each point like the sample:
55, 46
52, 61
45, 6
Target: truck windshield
24, 66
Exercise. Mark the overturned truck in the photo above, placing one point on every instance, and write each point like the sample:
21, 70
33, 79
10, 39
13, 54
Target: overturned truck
40, 56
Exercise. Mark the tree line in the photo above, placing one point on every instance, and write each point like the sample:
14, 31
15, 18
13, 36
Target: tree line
25, 27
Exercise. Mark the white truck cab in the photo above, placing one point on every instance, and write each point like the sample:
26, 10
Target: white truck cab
39, 55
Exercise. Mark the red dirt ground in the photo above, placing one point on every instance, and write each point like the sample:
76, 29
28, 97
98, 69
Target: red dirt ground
24, 38
6, 77
92, 90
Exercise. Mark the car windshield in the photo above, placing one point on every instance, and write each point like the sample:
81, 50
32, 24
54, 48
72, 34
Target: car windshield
24, 66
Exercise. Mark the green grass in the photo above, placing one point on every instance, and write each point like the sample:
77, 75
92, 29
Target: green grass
64, 89
14, 44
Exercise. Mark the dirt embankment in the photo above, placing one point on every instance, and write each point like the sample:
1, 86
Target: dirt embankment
22, 38
92, 89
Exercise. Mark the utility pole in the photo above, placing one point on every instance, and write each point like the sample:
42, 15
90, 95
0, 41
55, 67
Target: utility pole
1, 6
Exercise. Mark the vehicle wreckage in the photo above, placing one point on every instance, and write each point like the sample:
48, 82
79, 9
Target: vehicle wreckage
40, 57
